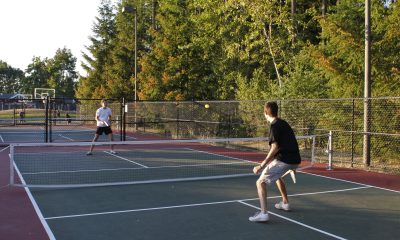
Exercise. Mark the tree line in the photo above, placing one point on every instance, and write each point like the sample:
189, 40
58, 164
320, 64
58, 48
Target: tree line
233, 49
241, 49
57, 72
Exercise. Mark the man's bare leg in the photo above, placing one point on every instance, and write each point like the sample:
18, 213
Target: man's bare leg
96, 136
111, 138
282, 189
262, 195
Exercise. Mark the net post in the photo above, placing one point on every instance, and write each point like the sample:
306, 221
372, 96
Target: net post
11, 155
330, 151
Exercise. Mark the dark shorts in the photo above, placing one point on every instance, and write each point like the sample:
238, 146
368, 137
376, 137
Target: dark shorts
101, 130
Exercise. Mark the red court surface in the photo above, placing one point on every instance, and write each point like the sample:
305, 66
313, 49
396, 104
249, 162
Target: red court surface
18, 218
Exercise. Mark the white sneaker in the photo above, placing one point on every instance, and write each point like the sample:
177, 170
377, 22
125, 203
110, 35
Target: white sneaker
89, 153
282, 206
113, 152
259, 217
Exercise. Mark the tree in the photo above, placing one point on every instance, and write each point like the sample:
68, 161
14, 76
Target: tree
340, 56
385, 49
98, 61
37, 75
62, 72
10, 78
167, 69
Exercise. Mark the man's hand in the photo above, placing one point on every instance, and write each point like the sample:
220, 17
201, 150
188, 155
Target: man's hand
257, 169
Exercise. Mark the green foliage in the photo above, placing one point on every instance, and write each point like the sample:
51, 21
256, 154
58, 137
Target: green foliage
10, 78
61, 69
241, 49
98, 62
304, 80
57, 72
37, 75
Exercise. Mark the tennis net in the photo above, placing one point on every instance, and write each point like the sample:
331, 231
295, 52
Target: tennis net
137, 162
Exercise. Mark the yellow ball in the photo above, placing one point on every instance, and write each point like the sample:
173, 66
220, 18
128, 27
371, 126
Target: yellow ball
206, 106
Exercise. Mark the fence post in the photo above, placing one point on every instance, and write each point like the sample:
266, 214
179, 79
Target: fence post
124, 112
313, 160
14, 115
177, 120
367, 137
120, 119
330, 151
352, 134
46, 120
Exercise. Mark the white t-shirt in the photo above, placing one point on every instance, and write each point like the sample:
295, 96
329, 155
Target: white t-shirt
103, 114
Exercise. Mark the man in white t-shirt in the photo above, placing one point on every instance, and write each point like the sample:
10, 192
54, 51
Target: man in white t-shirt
103, 119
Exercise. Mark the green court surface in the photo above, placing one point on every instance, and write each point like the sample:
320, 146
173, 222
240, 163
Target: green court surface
26, 135
323, 208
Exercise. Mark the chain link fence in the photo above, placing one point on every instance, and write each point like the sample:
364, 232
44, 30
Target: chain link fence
239, 119
74, 120
54, 120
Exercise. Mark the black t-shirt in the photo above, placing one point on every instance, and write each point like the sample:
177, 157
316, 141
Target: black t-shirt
288, 149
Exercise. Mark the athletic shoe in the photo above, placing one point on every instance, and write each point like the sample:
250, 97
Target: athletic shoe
89, 153
282, 206
259, 217
113, 152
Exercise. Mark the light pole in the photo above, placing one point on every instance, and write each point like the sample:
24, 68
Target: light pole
367, 87
130, 9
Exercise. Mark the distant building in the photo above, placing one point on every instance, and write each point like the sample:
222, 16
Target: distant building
8, 100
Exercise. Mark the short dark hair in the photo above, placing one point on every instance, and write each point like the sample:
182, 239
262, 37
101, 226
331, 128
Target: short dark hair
271, 108
103, 100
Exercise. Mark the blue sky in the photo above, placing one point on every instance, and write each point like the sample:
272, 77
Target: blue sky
39, 27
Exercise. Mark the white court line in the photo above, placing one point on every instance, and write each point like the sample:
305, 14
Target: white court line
297, 222
35, 206
126, 159
130, 137
4, 148
220, 155
342, 180
196, 204
1, 138
65, 137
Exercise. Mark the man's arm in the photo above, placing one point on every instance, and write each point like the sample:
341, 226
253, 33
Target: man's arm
270, 156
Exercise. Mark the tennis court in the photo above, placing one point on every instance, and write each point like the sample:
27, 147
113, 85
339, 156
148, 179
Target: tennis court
27, 134
161, 200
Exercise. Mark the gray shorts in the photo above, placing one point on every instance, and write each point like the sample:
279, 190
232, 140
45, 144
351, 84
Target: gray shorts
275, 170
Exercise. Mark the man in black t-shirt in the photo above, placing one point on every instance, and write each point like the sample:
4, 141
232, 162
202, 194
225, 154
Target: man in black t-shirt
283, 156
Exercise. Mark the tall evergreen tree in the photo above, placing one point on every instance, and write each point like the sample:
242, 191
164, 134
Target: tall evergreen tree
166, 69
98, 60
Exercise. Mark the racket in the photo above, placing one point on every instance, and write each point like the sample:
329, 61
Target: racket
106, 123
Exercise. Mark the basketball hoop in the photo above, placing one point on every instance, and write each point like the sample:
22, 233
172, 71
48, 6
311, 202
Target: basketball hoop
42, 93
